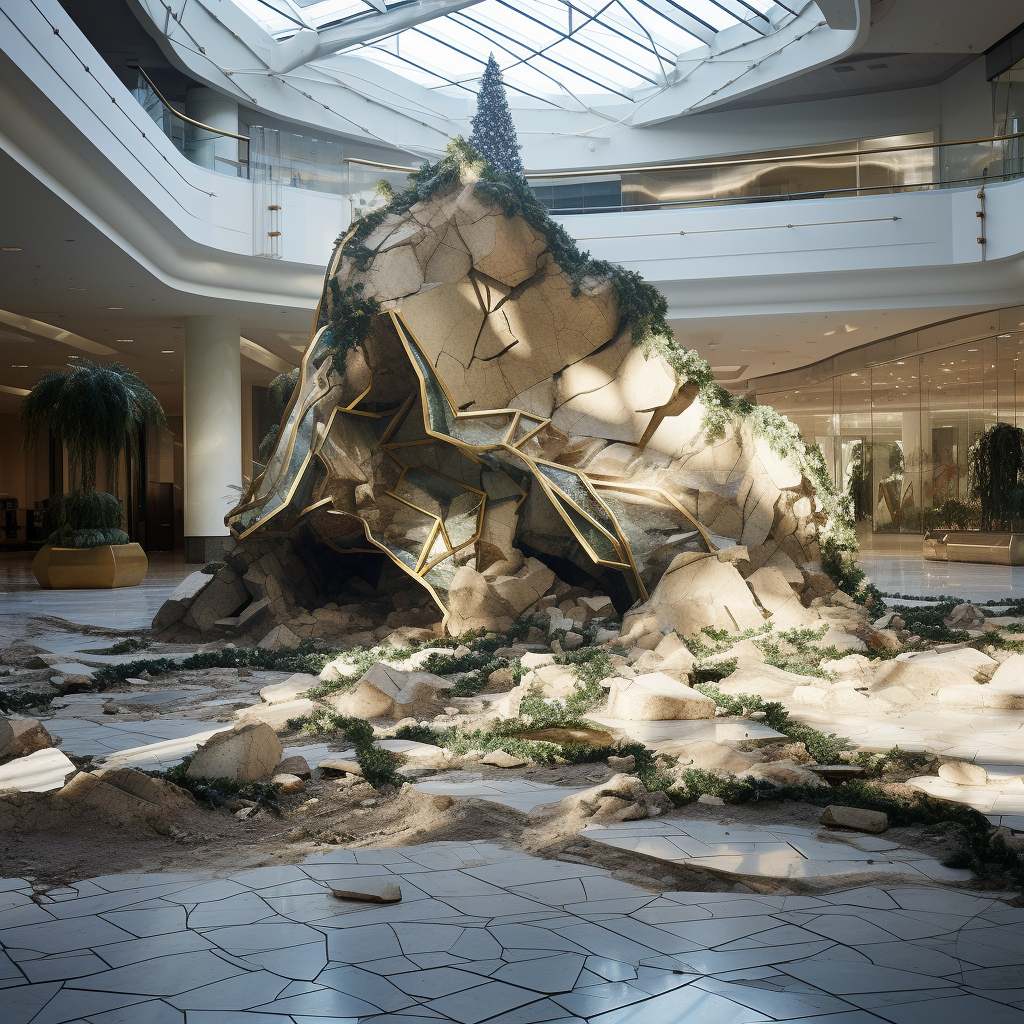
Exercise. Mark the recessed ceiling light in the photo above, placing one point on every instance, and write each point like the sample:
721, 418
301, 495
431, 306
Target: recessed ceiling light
972, 350
115, 307
125, 341
12, 248
75, 288
19, 366
900, 362
167, 351
74, 357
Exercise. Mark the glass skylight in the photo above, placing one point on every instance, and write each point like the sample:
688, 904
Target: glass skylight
550, 51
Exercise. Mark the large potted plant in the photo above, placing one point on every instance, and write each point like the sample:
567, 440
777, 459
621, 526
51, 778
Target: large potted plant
996, 463
94, 409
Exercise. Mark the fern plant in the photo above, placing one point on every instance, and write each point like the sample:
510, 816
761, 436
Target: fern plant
94, 409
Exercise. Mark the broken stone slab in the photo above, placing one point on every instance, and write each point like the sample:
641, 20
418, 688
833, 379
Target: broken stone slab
963, 773
503, 759
777, 597
277, 716
21, 736
387, 692
223, 596
250, 752
372, 889
280, 637
288, 689
701, 590
857, 818
656, 697
175, 607
37, 772
255, 614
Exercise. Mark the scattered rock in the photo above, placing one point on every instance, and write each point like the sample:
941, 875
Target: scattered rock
181, 599
502, 759
339, 766
295, 765
279, 637
372, 889
854, 817
963, 773
247, 753
707, 798
656, 697
965, 616
386, 692
625, 764
21, 736
277, 716
289, 689
289, 783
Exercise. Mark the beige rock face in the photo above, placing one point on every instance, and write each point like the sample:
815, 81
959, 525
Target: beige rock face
473, 604
776, 595
656, 697
496, 324
21, 736
703, 591
247, 753
387, 692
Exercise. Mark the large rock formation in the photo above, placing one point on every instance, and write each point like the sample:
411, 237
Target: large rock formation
465, 399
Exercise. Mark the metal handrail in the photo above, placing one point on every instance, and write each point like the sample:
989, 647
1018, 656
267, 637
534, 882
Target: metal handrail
746, 161
376, 163
738, 162
184, 117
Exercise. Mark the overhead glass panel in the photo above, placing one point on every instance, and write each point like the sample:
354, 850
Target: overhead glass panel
555, 51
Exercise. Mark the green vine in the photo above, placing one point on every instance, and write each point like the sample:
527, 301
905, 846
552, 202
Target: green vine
350, 320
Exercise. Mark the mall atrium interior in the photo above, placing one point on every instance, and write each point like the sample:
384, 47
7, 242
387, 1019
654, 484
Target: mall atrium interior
511, 512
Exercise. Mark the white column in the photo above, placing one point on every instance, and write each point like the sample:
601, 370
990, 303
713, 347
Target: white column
213, 430
217, 111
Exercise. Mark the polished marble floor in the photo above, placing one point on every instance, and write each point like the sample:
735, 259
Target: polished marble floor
21, 599
894, 564
485, 934
773, 851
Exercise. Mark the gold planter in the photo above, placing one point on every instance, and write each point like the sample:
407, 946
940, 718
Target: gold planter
103, 568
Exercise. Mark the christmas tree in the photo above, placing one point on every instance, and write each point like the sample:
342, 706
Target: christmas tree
494, 134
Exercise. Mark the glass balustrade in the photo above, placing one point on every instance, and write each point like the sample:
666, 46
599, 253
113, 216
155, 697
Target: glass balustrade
903, 163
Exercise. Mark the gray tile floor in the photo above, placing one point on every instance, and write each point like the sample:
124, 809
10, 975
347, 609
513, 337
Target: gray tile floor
484, 934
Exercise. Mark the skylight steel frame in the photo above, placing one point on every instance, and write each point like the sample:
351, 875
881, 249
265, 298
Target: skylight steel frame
653, 34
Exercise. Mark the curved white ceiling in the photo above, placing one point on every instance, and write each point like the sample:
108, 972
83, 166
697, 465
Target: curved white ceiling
406, 73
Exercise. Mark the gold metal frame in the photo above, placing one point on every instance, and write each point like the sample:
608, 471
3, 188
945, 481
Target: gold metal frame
507, 446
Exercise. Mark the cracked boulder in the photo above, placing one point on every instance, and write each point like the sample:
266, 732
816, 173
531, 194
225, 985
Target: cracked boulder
480, 400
